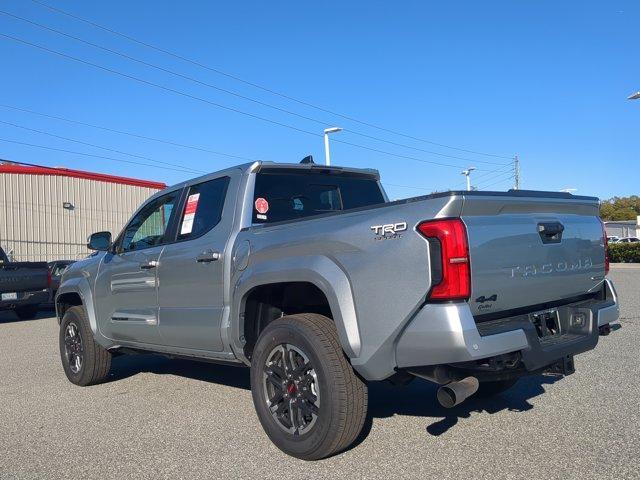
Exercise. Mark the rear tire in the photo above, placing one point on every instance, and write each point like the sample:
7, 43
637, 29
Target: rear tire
27, 313
489, 389
329, 414
84, 361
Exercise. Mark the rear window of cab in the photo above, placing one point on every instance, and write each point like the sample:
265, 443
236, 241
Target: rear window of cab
281, 196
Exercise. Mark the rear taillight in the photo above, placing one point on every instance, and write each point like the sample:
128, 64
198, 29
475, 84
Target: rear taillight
48, 278
455, 272
605, 241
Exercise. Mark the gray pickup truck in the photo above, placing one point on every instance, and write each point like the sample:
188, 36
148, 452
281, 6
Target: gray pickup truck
24, 286
309, 275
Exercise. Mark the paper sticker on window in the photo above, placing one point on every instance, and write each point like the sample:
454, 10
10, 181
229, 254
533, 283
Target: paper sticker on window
189, 213
262, 206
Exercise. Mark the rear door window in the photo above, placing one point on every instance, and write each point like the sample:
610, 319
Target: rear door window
203, 208
281, 196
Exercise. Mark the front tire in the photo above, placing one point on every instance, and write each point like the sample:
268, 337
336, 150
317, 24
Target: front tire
308, 399
84, 361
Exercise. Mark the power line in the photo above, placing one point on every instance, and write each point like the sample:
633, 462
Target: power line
499, 181
384, 152
147, 82
130, 134
509, 176
91, 155
419, 149
488, 176
127, 133
15, 125
163, 69
255, 85
26, 164
194, 97
235, 94
497, 173
508, 168
6, 161
412, 187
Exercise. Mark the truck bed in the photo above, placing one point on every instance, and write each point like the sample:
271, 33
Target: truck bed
391, 275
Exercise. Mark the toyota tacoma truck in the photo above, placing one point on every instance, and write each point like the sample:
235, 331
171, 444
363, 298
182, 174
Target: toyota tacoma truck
23, 286
311, 277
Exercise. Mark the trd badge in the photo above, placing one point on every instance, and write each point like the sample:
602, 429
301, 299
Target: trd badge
389, 230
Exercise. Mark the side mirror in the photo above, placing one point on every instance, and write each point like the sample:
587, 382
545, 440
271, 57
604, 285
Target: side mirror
100, 241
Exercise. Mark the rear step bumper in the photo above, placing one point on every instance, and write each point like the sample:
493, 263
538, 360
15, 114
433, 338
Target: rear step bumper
447, 333
609, 314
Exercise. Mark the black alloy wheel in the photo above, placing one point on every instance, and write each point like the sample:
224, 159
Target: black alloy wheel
291, 389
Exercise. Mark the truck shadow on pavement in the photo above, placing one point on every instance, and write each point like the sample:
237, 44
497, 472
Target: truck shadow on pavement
11, 317
418, 399
125, 366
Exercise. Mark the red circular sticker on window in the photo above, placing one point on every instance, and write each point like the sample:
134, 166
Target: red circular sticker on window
262, 206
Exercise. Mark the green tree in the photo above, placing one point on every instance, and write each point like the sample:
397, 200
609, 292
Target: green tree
620, 208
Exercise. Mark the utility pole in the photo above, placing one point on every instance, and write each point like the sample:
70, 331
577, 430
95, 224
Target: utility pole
516, 168
467, 173
327, 154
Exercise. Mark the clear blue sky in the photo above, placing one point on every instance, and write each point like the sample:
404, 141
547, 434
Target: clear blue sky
547, 80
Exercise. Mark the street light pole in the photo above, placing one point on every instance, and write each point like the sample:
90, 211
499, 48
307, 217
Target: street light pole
467, 173
327, 154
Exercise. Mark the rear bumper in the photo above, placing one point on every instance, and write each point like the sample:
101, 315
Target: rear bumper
609, 314
25, 299
443, 334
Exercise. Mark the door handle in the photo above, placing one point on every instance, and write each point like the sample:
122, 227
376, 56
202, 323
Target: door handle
149, 265
208, 256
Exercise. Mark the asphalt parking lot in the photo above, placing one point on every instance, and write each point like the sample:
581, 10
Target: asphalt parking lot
161, 418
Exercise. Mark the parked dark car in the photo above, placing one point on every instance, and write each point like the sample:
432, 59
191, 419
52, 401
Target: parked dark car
56, 269
24, 286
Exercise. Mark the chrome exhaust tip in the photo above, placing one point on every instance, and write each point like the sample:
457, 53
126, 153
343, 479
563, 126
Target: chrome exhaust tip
455, 393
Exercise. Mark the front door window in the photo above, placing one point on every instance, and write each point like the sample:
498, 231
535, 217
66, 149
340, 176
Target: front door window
149, 227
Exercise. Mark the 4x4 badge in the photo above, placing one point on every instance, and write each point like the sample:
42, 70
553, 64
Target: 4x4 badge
483, 299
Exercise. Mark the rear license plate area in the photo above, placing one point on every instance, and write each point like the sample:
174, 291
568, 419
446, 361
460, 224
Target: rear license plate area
547, 323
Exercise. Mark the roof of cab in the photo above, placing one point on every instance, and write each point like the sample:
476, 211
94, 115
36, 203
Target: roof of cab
261, 165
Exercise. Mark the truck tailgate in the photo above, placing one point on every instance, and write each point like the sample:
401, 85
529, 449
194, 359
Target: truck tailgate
23, 276
531, 252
